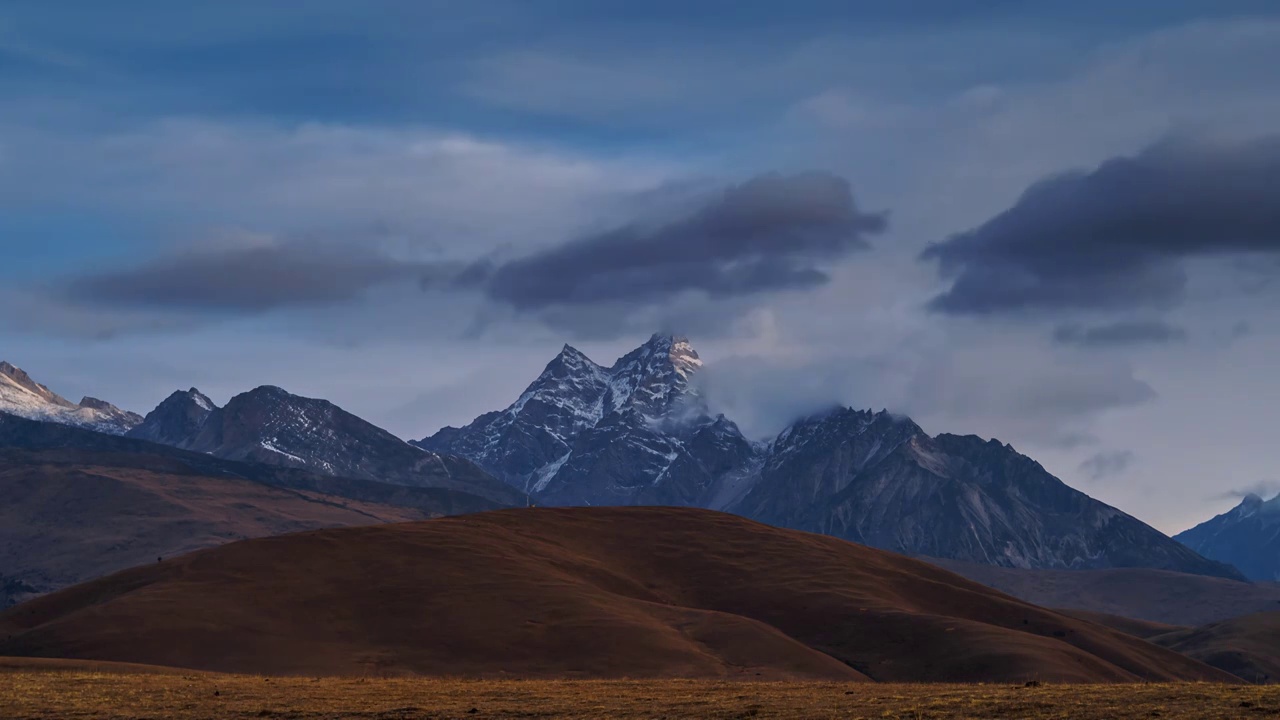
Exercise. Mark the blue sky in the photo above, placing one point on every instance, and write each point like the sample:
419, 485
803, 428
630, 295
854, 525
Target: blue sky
363, 144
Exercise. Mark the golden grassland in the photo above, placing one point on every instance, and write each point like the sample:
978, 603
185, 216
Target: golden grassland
67, 694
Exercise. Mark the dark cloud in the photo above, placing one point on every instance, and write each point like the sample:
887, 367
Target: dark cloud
249, 279
1137, 332
1117, 237
1107, 464
772, 232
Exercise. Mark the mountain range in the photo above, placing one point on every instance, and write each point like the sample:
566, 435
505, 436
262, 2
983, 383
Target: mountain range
266, 425
270, 426
1247, 536
91, 489
639, 432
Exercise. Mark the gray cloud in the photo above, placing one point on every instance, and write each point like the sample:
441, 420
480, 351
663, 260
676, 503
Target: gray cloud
1263, 489
772, 232
748, 389
249, 279
1107, 464
1025, 395
1117, 237
723, 248
1082, 394
1134, 332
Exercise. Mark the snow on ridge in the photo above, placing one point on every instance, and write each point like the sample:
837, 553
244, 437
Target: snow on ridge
684, 358
270, 445
574, 395
670, 457
33, 401
200, 400
589, 392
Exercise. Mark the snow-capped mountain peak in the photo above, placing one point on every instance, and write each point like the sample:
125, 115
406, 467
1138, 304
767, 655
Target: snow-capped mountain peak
640, 402
572, 356
1247, 536
662, 352
22, 396
178, 417
571, 387
201, 400
654, 378
685, 358
18, 381
96, 404
1251, 504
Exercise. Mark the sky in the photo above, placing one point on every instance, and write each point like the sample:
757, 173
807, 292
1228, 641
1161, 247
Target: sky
1057, 224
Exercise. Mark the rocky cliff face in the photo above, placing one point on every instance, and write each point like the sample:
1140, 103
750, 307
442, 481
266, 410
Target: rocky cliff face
1248, 537
638, 433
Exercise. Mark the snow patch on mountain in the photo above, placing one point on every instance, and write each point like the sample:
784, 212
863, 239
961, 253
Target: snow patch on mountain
643, 402
270, 445
545, 474
22, 396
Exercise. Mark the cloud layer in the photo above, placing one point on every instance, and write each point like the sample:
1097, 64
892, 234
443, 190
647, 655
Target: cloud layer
772, 232
1264, 489
693, 261
249, 280
1117, 237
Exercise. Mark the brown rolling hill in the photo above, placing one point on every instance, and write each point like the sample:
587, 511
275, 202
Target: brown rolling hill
68, 516
1247, 647
581, 592
1158, 596
1138, 628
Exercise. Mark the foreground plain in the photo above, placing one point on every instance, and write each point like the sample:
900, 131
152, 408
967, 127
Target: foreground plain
33, 691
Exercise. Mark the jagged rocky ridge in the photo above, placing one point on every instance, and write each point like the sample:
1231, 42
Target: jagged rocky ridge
177, 419
271, 426
1248, 537
639, 433
24, 397
635, 433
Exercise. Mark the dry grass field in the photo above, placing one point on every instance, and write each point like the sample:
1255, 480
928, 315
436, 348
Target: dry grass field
35, 691
576, 592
